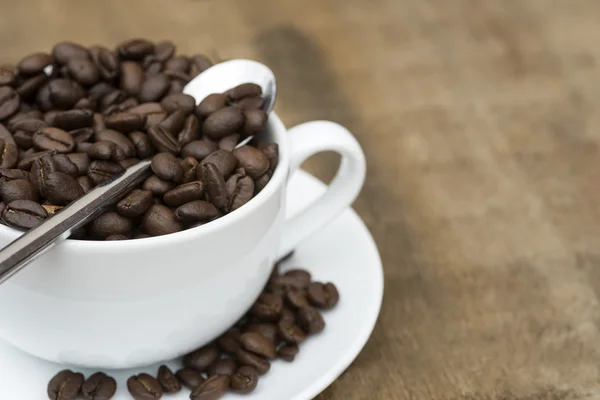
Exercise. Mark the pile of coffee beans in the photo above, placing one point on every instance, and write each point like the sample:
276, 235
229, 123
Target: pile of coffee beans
281, 319
72, 118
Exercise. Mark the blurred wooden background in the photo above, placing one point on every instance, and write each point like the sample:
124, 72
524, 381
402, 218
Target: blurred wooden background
481, 122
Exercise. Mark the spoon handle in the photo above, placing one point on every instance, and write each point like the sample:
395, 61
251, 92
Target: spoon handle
54, 230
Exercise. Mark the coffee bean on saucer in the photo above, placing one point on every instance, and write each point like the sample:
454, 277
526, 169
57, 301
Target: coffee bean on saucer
287, 316
244, 380
310, 320
229, 342
294, 279
290, 332
190, 377
144, 387
65, 385
296, 298
202, 358
267, 308
99, 386
246, 358
169, 382
288, 352
212, 389
224, 366
323, 296
258, 344
269, 331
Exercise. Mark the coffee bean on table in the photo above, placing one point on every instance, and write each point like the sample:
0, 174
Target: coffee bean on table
111, 223
169, 382
9, 102
144, 387
323, 296
18, 189
223, 122
258, 344
65, 385
229, 342
202, 358
210, 104
246, 358
224, 366
167, 167
310, 320
160, 220
267, 308
244, 380
212, 389
99, 386
135, 204
23, 214
190, 377
288, 352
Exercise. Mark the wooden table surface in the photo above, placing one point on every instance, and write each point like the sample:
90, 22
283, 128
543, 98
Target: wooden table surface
481, 122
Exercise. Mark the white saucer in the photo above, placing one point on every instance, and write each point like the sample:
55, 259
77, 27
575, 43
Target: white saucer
343, 253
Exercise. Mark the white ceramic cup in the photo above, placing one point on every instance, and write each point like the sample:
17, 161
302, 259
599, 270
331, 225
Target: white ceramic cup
125, 304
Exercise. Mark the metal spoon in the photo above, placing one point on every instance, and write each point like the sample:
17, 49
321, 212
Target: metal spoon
35, 242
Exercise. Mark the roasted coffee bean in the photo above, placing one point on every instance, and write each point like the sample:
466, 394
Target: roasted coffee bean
154, 88
18, 189
30, 86
189, 165
82, 134
53, 139
214, 185
9, 102
135, 203
40, 169
27, 160
197, 210
73, 119
244, 380
190, 131
81, 161
202, 358
128, 104
178, 63
116, 237
268, 307
35, 63
111, 223
146, 108
174, 122
163, 140
99, 386
199, 149
229, 342
9, 154
132, 77
288, 352
106, 62
223, 122
258, 344
244, 90
177, 76
223, 160
8, 174
243, 193
310, 320
178, 101
51, 209
125, 122
135, 49
167, 167
144, 387
59, 188
157, 186
106, 150
164, 50
65, 51
86, 104
271, 150
85, 183
5, 135
254, 161
295, 278
100, 171
225, 366
231, 183
83, 70
129, 162
184, 193
212, 389
269, 331
154, 119
118, 138
160, 220
246, 358
109, 103
23, 214
8, 76
200, 63
65, 385
99, 90
29, 125
250, 103
176, 86
64, 93
82, 147
290, 332
142, 143
190, 377
323, 296
296, 298
210, 104
256, 121
167, 379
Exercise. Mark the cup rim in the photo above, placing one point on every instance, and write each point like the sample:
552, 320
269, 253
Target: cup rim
274, 126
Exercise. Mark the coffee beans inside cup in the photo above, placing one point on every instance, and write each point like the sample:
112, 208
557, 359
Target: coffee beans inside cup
273, 329
73, 116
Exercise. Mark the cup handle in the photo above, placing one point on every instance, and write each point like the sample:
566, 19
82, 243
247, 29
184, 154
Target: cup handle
306, 140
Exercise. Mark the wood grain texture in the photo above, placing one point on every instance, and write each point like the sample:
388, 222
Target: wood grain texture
480, 120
